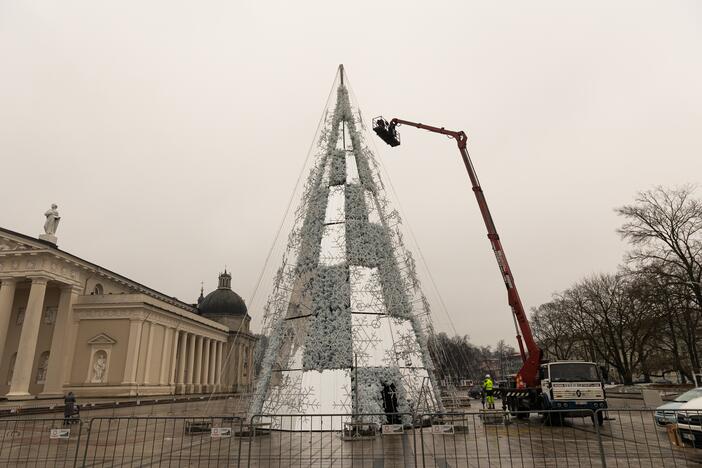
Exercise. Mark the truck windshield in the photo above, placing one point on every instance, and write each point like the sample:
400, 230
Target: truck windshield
574, 372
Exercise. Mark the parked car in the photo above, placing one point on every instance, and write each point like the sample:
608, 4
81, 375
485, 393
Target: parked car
690, 423
666, 414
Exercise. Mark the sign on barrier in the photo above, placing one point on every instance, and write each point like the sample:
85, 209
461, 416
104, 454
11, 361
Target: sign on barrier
220, 432
442, 429
389, 429
62, 434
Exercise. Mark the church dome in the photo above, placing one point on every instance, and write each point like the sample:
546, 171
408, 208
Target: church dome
223, 301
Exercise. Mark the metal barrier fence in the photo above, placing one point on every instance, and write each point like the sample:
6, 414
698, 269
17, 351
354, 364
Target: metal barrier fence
163, 441
483, 439
39, 442
627, 438
332, 440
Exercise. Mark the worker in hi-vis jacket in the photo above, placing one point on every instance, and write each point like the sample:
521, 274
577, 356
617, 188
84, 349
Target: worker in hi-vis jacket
487, 389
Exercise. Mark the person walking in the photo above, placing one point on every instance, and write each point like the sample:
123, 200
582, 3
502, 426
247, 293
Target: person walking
489, 392
69, 408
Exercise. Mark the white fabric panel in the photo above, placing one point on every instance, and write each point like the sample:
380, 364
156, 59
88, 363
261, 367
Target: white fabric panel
292, 348
344, 141
326, 173
413, 381
383, 341
295, 361
311, 393
372, 340
405, 343
351, 169
347, 135
333, 247
366, 293
372, 207
336, 202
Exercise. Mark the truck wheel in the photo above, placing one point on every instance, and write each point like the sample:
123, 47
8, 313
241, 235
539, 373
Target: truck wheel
517, 411
553, 419
600, 418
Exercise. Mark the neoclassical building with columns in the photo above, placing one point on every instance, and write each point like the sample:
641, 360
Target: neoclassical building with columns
67, 324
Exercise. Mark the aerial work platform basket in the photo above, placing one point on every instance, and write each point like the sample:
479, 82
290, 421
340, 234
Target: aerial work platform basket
387, 131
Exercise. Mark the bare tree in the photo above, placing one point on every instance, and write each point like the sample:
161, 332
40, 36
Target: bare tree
608, 313
664, 227
676, 337
553, 329
455, 357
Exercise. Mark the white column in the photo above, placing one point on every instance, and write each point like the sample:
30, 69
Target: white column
249, 368
215, 375
220, 367
164, 376
239, 367
245, 368
133, 346
60, 343
191, 363
149, 353
233, 369
197, 372
213, 365
180, 380
72, 326
174, 355
228, 367
206, 365
28, 340
7, 299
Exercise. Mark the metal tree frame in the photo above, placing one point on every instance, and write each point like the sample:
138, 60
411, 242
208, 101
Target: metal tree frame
346, 300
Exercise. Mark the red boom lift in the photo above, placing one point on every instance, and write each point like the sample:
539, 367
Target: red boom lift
570, 388
528, 375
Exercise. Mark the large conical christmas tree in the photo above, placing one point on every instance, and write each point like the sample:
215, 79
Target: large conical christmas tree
346, 323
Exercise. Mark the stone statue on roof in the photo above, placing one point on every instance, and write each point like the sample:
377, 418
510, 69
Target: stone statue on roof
51, 224
52, 220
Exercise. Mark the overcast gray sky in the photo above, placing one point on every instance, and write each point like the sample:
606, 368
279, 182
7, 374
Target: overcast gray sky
171, 133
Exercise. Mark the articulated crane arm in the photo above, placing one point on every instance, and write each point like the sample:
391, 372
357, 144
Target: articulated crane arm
531, 358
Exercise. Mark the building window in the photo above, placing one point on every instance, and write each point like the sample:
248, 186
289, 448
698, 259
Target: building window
98, 290
42, 368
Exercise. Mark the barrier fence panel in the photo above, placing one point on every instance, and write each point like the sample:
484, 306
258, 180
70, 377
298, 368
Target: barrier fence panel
496, 438
332, 440
162, 441
626, 438
39, 442
650, 438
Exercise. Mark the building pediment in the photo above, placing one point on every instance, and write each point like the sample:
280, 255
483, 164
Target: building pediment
102, 339
11, 245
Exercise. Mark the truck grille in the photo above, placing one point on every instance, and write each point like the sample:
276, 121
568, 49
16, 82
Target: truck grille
691, 419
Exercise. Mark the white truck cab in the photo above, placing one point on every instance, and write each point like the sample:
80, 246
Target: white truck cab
572, 385
689, 417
